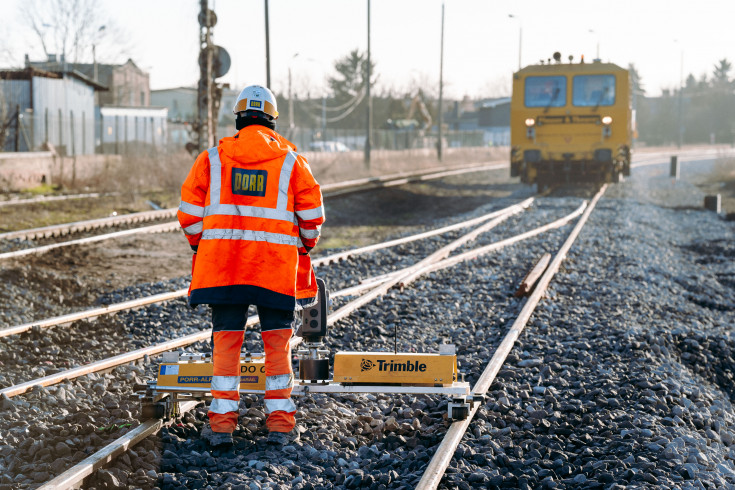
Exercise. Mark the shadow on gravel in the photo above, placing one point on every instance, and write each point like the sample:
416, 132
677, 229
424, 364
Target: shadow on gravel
418, 204
586, 191
711, 357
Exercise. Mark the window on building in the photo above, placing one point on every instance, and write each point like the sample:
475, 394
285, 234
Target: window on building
142, 98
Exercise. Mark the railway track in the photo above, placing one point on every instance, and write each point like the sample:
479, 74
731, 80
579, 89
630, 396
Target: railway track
343, 312
17, 240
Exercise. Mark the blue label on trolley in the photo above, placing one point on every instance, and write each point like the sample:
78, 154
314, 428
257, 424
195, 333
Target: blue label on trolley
248, 379
194, 379
169, 369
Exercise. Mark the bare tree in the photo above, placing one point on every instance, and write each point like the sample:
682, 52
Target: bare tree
4, 122
71, 28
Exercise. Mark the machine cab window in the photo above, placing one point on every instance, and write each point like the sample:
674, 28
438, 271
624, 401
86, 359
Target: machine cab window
593, 90
545, 91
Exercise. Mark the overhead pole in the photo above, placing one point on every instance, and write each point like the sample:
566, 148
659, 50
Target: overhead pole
267, 49
441, 92
205, 133
369, 137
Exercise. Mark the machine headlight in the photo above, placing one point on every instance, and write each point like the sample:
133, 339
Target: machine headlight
530, 122
606, 120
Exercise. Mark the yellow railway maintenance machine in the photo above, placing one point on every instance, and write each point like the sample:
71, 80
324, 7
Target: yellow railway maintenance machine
183, 377
570, 123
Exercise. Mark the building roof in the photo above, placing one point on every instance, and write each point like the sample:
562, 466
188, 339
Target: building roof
86, 70
30, 72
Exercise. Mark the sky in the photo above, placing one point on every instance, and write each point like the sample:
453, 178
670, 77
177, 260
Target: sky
662, 38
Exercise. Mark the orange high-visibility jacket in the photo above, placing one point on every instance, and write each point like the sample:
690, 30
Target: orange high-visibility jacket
250, 208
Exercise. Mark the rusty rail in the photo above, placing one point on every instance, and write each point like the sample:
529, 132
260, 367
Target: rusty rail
445, 452
74, 476
533, 275
66, 228
60, 320
162, 228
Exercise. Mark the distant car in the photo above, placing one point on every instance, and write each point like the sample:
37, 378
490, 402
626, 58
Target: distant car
328, 146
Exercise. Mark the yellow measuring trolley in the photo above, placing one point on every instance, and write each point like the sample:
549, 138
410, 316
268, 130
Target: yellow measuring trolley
183, 377
399, 369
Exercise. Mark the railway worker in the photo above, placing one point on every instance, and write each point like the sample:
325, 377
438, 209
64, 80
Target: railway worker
252, 210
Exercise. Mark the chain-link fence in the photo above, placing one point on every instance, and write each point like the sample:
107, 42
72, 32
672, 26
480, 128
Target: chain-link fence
129, 134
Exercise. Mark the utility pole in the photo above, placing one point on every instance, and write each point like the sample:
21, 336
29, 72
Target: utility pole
680, 137
267, 49
369, 137
520, 37
204, 95
441, 92
214, 62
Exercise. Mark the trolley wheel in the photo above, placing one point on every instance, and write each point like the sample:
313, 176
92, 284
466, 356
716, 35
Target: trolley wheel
153, 411
459, 413
314, 369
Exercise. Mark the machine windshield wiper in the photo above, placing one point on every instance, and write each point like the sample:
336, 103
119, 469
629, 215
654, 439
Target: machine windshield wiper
599, 99
553, 98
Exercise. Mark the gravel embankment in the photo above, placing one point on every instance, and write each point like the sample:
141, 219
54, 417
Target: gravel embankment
42, 352
622, 377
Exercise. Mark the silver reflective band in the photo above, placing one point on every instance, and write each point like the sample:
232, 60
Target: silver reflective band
248, 212
279, 405
285, 180
220, 405
215, 190
250, 235
279, 382
311, 213
215, 175
310, 233
226, 383
194, 229
191, 209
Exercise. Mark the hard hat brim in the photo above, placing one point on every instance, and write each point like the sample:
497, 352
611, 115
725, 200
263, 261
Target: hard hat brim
267, 107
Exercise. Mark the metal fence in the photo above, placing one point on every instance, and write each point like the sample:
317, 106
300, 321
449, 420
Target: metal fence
69, 134
383, 139
131, 135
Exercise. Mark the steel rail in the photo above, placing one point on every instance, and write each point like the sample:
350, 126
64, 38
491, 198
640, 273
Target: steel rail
102, 310
59, 320
471, 254
57, 230
339, 188
162, 228
124, 358
78, 473
34, 200
414, 270
420, 236
445, 452
112, 362
75, 475
372, 282
86, 225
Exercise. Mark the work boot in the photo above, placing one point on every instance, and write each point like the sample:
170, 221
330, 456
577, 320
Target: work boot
215, 439
283, 438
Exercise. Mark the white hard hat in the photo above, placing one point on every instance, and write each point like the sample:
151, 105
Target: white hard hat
256, 98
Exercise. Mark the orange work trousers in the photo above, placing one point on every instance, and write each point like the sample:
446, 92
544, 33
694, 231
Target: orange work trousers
228, 330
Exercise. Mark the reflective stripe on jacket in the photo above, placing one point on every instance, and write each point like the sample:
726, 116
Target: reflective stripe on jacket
246, 207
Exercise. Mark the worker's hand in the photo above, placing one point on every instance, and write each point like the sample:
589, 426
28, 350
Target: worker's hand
304, 250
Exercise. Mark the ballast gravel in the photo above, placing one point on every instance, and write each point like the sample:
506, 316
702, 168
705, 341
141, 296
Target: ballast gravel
623, 377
